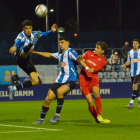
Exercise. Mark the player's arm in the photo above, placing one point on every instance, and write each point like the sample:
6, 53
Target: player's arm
48, 33
128, 60
80, 60
44, 54
126, 64
12, 50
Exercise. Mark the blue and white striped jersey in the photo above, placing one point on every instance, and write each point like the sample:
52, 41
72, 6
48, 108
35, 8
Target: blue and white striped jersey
68, 68
23, 40
134, 59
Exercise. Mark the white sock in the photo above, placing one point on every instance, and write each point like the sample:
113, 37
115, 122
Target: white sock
132, 101
14, 88
139, 98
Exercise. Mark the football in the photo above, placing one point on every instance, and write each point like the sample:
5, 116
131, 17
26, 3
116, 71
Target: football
41, 10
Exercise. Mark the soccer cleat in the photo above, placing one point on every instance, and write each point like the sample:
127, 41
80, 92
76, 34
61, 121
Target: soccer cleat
40, 121
55, 118
11, 92
100, 118
130, 105
36, 37
105, 121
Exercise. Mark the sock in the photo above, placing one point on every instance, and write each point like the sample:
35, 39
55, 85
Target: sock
98, 105
27, 47
132, 101
26, 84
60, 102
139, 98
93, 112
134, 94
43, 112
138, 94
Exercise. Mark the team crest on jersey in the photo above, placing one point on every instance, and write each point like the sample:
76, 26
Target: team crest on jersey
19, 37
65, 55
135, 60
99, 59
63, 64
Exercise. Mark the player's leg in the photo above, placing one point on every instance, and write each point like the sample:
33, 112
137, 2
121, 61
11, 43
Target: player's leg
95, 91
84, 86
135, 94
91, 106
45, 107
27, 66
60, 92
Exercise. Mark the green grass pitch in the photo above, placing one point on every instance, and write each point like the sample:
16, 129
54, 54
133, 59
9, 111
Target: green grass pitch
76, 122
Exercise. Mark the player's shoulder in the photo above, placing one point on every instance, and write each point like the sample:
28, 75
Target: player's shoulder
71, 50
33, 32
20, 35
103, 59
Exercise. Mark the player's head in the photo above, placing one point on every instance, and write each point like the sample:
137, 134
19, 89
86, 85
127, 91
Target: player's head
13, 73
135, 44
27, 27
64, 43
126, 43
101, 47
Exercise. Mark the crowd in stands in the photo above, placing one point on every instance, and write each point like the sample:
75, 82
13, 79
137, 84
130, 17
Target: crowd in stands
113, 71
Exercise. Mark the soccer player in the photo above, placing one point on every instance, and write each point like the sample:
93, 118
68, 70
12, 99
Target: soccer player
89, 82
65, 81
25, 41
133, 59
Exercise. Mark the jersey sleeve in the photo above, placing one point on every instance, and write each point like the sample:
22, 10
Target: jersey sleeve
73, 54
128, 56
55, 55
18, 41
48, 33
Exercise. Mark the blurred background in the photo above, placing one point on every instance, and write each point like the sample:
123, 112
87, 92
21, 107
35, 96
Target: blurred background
84, 21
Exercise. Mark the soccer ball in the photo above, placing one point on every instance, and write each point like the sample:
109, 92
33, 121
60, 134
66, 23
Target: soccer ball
41, 10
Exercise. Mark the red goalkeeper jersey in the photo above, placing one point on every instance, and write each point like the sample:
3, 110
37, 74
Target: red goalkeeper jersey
93, 61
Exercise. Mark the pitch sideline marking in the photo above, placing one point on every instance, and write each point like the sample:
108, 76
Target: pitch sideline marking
21, 131
47, 129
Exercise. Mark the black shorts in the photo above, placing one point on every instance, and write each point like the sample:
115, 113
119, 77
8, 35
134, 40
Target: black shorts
25, 64
55, 86
135, 79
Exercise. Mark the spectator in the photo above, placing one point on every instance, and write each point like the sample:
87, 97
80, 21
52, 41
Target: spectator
114, 60
15, 78
125, 49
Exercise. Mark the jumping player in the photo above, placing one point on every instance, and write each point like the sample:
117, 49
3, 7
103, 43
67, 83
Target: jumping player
23, 43
89, 82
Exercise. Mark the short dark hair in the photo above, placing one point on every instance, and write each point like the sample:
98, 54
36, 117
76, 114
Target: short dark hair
136, 40
64, 38
103, 45
26, 23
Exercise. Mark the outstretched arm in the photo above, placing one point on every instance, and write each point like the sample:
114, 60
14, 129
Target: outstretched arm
44, 54
54, 28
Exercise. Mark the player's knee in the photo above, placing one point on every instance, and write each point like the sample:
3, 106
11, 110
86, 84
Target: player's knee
96, 93
59, 93
35, 82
